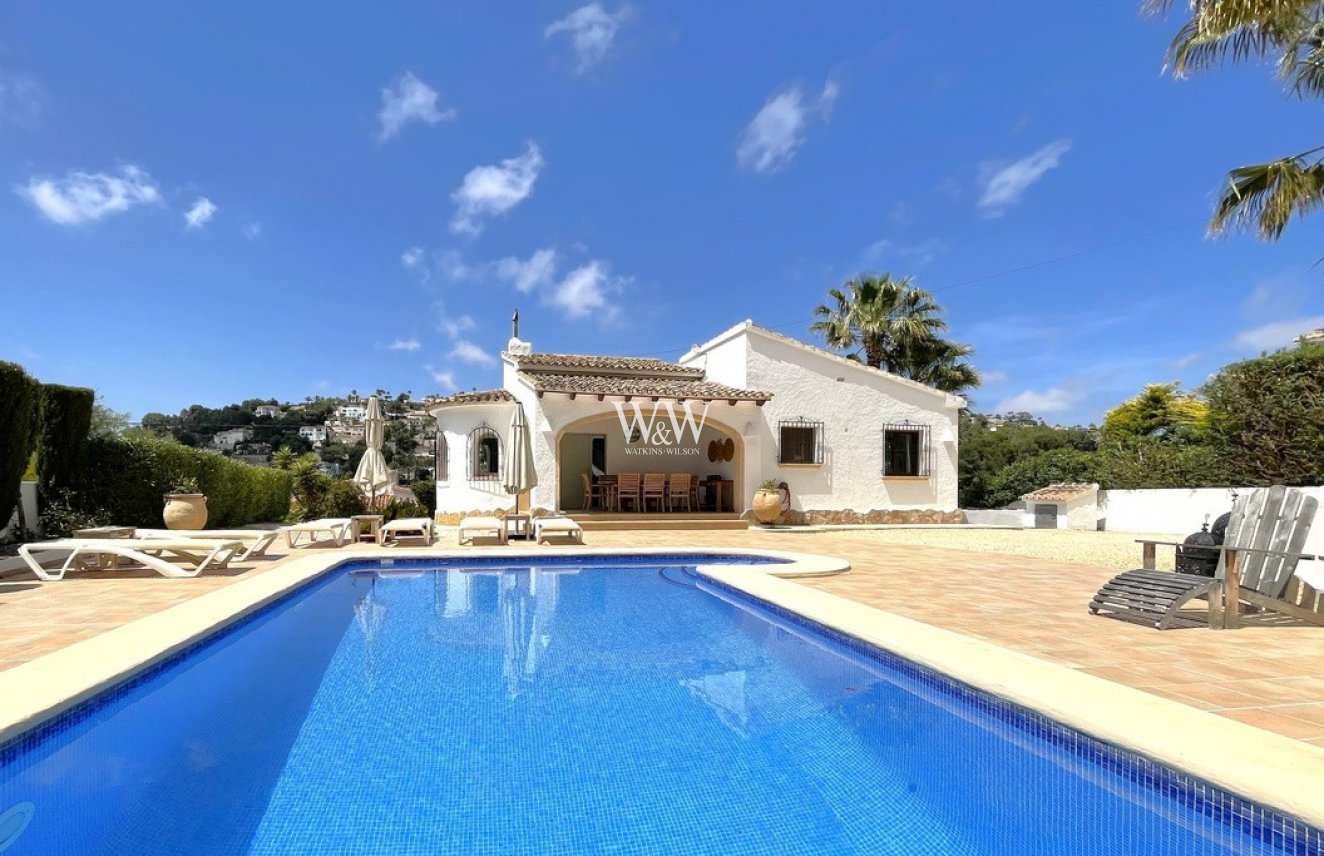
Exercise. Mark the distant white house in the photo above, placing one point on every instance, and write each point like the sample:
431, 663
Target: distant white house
225, 441
345, 432
270, 411
315, 434
852, 443
354, 411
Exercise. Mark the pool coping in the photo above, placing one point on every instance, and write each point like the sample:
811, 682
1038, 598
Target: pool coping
1265, 768
1271, 770
34, 692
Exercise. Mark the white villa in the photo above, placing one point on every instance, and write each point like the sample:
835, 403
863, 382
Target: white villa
853, 444
226, 440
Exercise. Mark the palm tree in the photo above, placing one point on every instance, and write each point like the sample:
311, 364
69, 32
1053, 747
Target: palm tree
1260, 196
879, 316
895, 325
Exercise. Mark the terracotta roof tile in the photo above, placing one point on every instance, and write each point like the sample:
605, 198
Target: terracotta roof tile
482, 396
572, 363
1060, 492
684, 387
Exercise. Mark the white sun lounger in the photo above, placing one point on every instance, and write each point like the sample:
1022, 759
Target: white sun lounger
472, 526
196, 552
256, 541
408, 528
334, 529
557, 527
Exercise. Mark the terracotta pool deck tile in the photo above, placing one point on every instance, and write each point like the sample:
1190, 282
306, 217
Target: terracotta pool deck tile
1035, 606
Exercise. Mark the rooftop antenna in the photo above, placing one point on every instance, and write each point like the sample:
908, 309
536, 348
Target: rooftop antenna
514, 324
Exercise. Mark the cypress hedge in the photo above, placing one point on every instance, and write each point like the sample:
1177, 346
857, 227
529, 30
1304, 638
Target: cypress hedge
66, 421
20, 405
128, 479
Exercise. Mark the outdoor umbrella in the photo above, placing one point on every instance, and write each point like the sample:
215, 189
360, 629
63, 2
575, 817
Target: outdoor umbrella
517, 474
372, 474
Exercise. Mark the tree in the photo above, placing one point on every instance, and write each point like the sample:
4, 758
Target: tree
1260, 196
1162, 412
1267, 417
894, 325
107, 422
986, 452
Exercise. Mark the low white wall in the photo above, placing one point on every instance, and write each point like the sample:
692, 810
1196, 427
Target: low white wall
992, 516
27, 500
1180, 511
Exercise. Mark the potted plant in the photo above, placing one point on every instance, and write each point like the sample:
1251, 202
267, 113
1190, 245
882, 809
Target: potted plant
768, 502
185, 505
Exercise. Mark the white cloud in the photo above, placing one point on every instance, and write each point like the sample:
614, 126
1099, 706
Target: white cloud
441, 377
993, 378
82, 197
201, 212
1185, 361
529, 274
1005, 186
409, 345
456, 327
584, 292
252, 231
412, 258
468, 352
408, 99
1055, 400
21, 98
916, 254
1276, 334
777, 131
489, 191
591, 29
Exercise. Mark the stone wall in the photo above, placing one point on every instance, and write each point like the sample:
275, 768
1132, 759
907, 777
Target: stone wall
847, 517
453, 518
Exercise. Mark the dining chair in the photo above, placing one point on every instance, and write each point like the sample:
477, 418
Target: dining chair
655, 488
678, 487
628, 491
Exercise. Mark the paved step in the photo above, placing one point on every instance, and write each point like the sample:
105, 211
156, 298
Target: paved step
659, 522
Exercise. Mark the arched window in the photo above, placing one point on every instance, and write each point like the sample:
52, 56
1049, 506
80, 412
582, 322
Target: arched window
441, 462
484, 454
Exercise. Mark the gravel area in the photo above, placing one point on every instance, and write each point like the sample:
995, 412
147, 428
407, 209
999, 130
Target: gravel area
1103, 549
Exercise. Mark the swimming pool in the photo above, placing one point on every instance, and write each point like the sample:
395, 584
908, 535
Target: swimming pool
578, 705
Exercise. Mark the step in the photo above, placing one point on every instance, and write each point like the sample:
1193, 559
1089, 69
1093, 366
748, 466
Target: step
609, 523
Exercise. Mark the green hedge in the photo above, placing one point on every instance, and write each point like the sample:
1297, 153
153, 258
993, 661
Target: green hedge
66, 421
20, 405
128, 479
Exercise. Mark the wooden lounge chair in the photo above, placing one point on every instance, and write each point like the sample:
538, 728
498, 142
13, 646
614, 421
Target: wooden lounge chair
198, 553
1265, 533
408, 529
557, 527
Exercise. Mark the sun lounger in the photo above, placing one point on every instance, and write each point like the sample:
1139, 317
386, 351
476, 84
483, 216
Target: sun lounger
557, 527
408, 528
493, 526
198, 553
256, 541
335, 529
1265, 534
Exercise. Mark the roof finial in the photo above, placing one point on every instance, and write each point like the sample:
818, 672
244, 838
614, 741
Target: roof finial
514, 324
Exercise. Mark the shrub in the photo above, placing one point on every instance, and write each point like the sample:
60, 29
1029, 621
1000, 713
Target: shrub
342, 499
1036, 471
64, 513
66, 420
402, 508
129, 477
425, 491
20, 404
1152, 462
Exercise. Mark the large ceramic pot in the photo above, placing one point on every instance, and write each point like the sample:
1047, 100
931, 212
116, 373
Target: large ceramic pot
767, 506
185, 511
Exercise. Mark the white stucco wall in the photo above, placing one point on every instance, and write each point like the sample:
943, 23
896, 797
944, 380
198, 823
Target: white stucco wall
1079, 513
853, 403
1180, 511
458, 493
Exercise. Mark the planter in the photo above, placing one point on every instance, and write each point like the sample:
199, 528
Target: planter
767, 506
185, 511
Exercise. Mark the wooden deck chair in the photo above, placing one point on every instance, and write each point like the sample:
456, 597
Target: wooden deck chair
1265, 533
679, 489
655, 488
628, 491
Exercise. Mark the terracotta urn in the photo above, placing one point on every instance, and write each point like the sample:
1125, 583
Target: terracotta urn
185, 511
767, 506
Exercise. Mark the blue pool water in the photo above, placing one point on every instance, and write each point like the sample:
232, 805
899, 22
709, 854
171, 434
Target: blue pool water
620, 706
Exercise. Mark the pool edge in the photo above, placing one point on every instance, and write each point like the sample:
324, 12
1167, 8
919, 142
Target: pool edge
1265, 768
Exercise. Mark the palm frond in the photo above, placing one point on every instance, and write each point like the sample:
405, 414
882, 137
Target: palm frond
1266, 196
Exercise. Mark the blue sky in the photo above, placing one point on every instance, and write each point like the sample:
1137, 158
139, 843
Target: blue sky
205, 204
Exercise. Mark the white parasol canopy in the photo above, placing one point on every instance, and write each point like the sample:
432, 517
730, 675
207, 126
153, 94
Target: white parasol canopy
517, 473
372, 474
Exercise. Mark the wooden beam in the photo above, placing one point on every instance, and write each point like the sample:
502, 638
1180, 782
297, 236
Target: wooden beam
628, 397
731, 401
572, 395
761, 402
1147, 557
601, 396
1231, 590
540, 393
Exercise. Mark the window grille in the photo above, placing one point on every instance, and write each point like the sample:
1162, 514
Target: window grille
441, 459
484, 454
907, 450
801, 442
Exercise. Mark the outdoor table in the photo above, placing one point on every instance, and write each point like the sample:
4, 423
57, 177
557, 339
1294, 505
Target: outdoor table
374, 524
518, 526
102, 562
723, 492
